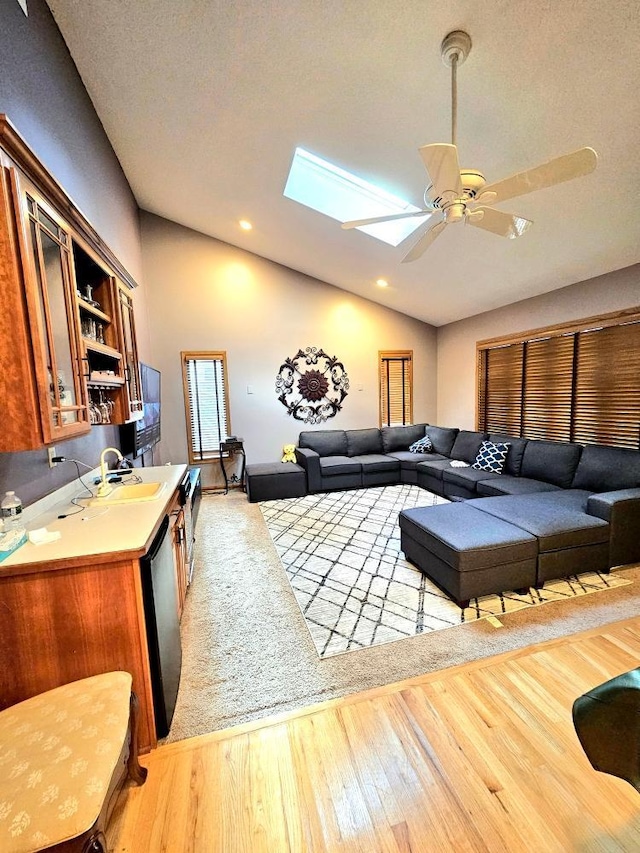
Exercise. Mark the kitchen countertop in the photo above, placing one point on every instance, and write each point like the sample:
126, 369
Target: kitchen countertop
97, 529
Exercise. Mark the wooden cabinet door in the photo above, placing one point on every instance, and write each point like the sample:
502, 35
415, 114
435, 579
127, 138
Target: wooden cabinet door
129, 348
45, 255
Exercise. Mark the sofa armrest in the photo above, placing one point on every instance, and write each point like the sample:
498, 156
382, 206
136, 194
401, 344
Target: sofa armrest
622, 510
310, 461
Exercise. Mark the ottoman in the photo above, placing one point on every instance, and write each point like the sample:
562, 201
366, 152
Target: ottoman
467, 552
267, 481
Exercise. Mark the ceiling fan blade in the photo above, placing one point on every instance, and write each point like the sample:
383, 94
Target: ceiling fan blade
441, 162
356, 223
504, 224
565, 168
423, 243
485, 198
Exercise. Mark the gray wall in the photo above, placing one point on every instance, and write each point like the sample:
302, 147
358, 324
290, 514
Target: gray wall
457, 341
42, 95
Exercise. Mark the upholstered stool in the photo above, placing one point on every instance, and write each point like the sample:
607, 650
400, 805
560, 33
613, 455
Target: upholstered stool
467, 552
607, 722
267, 481
63, 756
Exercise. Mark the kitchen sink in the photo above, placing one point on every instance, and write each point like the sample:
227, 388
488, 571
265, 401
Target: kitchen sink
133, 493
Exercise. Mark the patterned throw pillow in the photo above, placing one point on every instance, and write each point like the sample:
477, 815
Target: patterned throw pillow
491, 456
424, 445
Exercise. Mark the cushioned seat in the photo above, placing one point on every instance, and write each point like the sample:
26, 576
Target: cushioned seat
268, 481
378, 469
507, 485
409, 463
463, 445
65, 752
462, 482
570, 541
467, 552
331, 466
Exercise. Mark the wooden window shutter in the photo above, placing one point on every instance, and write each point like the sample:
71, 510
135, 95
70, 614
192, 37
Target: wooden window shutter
500, 394
607, 393
548, 388
396, 388
206, 403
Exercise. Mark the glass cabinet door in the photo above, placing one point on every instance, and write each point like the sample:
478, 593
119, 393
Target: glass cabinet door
132, 371
62, 391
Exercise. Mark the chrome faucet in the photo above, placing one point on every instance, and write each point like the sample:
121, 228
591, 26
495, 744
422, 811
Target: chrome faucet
106, 488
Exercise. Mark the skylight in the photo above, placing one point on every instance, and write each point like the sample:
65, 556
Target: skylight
320, 185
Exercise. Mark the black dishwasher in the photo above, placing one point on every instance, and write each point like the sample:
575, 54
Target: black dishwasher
160, 593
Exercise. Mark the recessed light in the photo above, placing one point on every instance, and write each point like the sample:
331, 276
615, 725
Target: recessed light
381, 282
245, 225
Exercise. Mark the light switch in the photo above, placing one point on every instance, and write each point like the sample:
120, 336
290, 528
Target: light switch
249, 389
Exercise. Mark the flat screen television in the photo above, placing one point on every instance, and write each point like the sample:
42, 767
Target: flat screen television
140, 436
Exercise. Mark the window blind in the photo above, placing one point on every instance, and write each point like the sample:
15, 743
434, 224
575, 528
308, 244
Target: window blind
205, 377
548, 388
396, 391
579, 383
607, 395
502, 390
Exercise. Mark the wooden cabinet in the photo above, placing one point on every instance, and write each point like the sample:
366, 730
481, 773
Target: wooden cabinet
43, 391
67, 331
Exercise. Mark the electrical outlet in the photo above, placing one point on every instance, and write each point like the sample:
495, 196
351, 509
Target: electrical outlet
52, 452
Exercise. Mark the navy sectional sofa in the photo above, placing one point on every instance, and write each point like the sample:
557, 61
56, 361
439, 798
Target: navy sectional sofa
580, 505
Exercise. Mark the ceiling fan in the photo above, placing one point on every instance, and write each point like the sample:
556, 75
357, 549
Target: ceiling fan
462, 195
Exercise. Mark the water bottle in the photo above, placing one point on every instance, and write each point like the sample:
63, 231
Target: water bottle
11, 508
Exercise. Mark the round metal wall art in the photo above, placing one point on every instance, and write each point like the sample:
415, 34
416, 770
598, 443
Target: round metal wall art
312, 385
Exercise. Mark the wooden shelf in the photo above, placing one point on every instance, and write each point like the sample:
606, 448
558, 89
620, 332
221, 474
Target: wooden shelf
106, 380
91, 309
103, 349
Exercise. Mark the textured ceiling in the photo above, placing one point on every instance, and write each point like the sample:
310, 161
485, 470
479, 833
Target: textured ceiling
205, 102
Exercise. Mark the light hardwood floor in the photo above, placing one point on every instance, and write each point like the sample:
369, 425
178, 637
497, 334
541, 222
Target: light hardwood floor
480, 757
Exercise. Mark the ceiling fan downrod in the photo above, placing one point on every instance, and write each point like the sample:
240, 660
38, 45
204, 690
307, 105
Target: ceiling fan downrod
454, 50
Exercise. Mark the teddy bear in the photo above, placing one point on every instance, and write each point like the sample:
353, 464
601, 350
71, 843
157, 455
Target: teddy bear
289, 453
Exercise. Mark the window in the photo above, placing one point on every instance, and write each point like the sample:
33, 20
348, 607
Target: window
396, 387
204, 379
578, 382
343, 196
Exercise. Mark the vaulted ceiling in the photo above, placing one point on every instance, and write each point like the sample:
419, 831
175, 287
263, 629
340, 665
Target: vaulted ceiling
205, 103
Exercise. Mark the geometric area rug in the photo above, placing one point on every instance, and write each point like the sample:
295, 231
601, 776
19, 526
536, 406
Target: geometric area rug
341, 553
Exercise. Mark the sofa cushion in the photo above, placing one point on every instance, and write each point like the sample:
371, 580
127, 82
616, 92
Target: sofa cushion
551, 461
466, 445
327, 442
423, 445
491, 457
442, 438
372, 462
410, 460
555, 526
400, 437
331, 466
515, 454
468, 478
433, 468
504, 484
465, 538
607, 469
361, 441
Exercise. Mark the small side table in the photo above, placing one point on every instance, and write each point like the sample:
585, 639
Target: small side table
231, 447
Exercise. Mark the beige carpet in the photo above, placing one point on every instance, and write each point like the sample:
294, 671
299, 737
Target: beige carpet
247, 653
